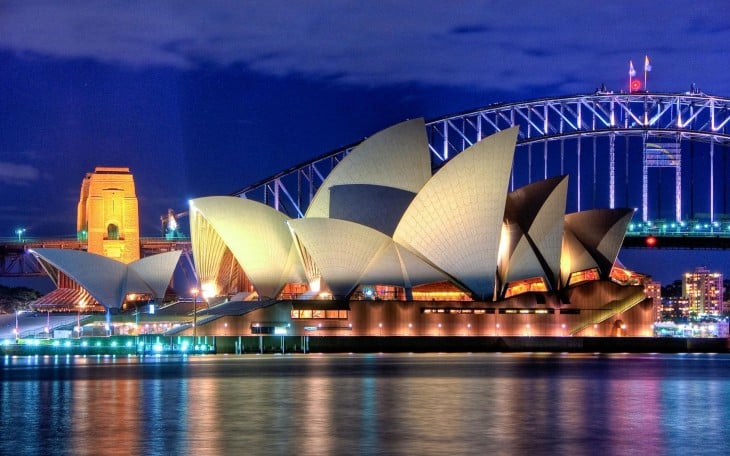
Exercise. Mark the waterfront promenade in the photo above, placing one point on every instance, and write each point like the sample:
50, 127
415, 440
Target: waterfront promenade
252, 345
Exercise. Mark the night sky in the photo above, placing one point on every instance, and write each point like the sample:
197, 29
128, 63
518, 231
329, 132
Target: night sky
204, 98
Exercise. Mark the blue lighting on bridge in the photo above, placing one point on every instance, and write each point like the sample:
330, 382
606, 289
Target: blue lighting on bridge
664, 228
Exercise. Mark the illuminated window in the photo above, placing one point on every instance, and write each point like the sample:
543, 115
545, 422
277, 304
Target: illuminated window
343, 314
331, 314
112, 232
317, 313
295, 314
305, 314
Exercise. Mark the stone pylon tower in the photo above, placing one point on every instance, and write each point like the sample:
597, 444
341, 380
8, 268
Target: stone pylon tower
108, 215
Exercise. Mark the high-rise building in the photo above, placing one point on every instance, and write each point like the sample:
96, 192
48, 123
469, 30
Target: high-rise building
653, 290
704, 291
108, 215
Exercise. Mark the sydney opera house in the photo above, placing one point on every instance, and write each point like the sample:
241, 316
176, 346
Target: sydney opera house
387, 246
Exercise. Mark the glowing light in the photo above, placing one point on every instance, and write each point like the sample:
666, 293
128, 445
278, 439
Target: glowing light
635, 85
315, 286
208, 290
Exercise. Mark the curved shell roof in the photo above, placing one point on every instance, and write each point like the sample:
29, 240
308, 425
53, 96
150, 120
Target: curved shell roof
349, 254
343, 250
455, 221
535, 214
371, 205
156, 270
593, 239
257, 236
108, 280
396, 157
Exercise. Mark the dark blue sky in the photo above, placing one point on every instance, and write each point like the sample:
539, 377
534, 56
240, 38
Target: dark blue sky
202, 98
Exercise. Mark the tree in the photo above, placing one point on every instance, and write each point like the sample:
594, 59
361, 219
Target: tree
16, 298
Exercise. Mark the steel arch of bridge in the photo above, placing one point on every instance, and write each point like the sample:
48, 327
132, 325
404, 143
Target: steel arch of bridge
556, 135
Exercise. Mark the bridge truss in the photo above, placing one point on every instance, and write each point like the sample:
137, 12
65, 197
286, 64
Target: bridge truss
616, 148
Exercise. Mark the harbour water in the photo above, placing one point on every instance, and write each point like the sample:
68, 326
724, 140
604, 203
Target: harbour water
390, 404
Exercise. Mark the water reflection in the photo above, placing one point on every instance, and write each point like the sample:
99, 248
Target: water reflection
366, 404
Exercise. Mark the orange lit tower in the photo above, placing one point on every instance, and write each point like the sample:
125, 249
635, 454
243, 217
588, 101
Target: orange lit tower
108, 215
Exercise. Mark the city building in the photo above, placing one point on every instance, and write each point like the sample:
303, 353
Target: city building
653, 291
704, 291
674, 308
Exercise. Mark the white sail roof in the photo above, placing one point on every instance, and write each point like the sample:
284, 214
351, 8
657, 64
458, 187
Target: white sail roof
396, 157
110, 281
455, 221
536, 213
257, 236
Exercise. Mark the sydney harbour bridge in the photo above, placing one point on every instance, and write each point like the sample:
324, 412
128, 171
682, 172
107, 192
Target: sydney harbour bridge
666, 155
663, 154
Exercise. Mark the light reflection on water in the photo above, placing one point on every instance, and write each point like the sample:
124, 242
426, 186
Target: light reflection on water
366, 404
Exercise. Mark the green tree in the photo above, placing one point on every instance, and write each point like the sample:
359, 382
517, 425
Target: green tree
16, 298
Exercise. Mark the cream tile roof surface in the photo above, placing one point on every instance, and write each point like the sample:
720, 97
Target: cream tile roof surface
455, 221
156, 270
343, 250
538, 208
593, 238
108, 280
396, 157
257, 236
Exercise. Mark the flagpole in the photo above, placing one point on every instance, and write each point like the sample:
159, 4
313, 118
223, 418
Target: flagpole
632, 74
630, 66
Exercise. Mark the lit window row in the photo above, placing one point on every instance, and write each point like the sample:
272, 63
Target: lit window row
320, 314
527, 311
491, 310
456, 310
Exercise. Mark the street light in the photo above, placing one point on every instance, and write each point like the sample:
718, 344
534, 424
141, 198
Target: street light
20, 232
78, 318
195, 292
17, 329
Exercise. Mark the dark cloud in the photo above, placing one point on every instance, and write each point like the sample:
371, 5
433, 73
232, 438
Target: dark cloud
430, 42
15, 174
469, 29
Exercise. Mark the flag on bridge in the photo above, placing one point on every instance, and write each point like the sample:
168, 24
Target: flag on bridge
632, 71
647, 68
